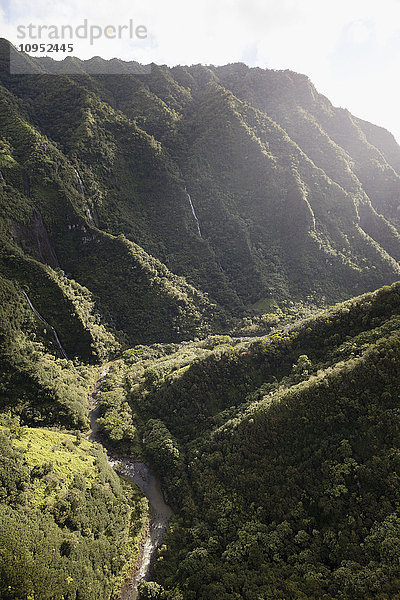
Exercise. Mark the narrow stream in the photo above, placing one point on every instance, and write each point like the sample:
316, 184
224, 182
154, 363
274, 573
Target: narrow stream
140, 474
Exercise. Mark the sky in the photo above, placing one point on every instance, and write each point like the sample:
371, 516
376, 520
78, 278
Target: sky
350, 49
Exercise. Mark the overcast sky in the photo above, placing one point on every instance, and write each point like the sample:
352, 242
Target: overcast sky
349, 48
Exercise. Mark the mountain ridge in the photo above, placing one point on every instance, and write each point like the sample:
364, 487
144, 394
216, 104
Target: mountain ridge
274, 209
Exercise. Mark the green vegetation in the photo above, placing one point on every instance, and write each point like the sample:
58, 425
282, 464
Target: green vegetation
68, 525
294, 201
280, 458
279, 454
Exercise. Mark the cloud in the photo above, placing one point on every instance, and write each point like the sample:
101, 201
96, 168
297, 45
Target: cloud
360, 32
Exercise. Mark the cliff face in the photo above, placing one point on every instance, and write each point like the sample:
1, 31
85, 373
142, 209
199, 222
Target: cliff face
184, 196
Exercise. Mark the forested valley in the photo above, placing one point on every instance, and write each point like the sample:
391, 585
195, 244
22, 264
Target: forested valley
208, 257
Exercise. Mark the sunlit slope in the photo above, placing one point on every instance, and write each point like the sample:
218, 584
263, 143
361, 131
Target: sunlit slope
281, 458
294, 198
68, 526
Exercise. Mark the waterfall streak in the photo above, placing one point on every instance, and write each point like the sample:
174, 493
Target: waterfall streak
82, 192
54, 332
193, 212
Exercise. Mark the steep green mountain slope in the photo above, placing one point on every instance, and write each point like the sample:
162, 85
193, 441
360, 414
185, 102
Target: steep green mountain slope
48, 216
289, 196
280, 457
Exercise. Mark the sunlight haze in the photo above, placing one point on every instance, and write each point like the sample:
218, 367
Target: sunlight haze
349, 49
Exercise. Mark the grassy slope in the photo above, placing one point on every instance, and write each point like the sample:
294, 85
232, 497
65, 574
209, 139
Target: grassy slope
60, 503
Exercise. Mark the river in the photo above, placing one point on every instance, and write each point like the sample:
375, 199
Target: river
139, 473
